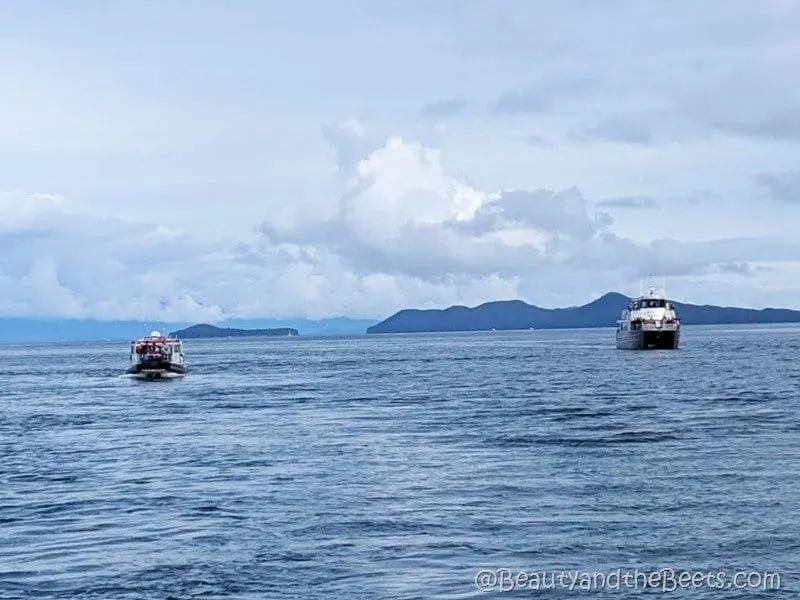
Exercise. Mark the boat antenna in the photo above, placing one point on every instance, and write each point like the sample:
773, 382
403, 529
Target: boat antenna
641, 284
141, 317
664, 284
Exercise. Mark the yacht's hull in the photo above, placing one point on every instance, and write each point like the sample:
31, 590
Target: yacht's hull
648, 340
157, 370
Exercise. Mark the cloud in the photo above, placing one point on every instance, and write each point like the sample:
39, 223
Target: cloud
21, 211
745, 269
641, 128
536, 140
737, 80
443, 109
403, 215
782, 187
754, 98
401, 231
356, 221
629, 202
350, 142
544, 95
617, 129
741, 23
86, 266
518, 102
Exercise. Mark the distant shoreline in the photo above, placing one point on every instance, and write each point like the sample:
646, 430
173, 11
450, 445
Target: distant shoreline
505, 315
126, 340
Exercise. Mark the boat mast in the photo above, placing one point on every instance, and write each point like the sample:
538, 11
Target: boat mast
141, 318
651, 288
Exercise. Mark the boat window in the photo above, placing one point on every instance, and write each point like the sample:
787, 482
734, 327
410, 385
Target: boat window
653, 303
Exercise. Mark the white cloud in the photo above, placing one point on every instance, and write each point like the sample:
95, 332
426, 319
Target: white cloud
20, 210
403, 232
242, 207
783, 187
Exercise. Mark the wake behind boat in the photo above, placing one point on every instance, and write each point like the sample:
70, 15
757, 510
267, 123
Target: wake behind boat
157, 357
649, 322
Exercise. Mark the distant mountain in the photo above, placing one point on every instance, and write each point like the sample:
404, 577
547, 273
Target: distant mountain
26, 330
204, 330
332, 326
603, 312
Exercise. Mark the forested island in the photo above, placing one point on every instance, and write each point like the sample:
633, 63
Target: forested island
209, 331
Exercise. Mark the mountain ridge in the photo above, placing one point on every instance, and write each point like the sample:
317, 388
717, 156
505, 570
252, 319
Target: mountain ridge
604, 311
204, 330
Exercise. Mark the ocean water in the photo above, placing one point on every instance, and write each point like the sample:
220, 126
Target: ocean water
401, 466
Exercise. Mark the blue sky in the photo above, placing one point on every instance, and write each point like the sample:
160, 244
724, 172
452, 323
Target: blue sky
192, 160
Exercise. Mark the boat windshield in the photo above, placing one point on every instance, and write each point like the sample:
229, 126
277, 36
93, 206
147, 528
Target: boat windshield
653, 303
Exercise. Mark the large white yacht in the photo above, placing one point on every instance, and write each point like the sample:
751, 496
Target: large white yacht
649, 322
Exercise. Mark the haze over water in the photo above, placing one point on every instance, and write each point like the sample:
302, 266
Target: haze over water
398, 466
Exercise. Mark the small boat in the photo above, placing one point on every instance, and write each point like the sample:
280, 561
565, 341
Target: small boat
649, 322
157, 357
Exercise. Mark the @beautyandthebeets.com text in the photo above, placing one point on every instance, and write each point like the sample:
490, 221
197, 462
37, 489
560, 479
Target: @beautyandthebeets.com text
666, 580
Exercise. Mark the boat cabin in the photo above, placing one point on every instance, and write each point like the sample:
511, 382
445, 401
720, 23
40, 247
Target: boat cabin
155, 346
633, 320
648, 303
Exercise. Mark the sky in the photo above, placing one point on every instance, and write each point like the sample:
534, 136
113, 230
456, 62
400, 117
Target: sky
201, 160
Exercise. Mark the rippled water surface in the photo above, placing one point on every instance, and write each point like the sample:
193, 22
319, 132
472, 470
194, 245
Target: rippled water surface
398, 466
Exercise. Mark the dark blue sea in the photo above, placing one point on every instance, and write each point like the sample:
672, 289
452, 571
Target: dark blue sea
401, 466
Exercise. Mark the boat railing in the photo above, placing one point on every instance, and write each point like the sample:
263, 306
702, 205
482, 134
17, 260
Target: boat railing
659, 326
